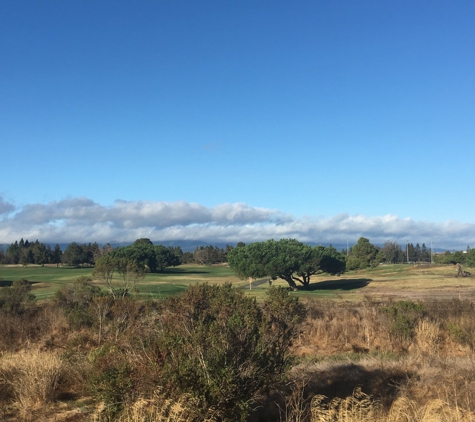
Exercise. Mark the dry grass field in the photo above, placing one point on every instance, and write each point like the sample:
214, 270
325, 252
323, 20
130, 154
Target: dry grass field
399, 281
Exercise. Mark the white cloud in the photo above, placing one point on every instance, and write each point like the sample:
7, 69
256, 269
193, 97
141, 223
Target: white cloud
83, 220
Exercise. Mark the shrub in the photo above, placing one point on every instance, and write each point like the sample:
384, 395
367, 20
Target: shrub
110, 379
12, 299
403, 316
219, 346
75, 300
456, 333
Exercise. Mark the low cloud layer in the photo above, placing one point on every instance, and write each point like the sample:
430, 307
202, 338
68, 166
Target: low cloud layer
83, 220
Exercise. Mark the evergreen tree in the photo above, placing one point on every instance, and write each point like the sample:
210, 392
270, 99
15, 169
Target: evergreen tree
57, 255
417, 253
425, 256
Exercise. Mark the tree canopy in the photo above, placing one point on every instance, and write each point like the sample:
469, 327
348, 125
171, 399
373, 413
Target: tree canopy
288, 259
363, 255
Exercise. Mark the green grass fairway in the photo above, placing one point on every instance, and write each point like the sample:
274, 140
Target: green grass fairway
47, 280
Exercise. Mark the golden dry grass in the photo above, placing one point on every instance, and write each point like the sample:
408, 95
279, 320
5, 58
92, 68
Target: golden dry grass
361, 407
160, 409
398, 281
33, 376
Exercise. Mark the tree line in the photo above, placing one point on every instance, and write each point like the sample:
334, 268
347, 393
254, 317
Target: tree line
76, 254
25, 252
466, 257
156, 258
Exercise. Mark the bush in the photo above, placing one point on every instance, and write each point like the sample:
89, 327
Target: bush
219, 346
12, 299
76, 299
403, 316
110, 379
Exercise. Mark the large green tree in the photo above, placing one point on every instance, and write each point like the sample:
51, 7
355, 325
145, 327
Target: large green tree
74, 254
288, 259
363, 255
142, 254
145, 255
57, 255
166, 257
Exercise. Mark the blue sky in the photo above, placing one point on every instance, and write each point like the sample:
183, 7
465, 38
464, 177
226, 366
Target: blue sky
314, 119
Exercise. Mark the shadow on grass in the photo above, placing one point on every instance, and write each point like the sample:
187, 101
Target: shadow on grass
340, 381
9, 283
164, 290
179, 271
342, 284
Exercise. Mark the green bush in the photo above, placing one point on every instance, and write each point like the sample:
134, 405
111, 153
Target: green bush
75, 300
403, 316
110, 379
220, 346
456, 333
13, 298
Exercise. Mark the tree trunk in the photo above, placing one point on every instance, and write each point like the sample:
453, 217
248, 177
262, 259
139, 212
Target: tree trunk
291, 282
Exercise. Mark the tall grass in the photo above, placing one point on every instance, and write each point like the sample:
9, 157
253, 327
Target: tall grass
160, 409
361, 407
33, 376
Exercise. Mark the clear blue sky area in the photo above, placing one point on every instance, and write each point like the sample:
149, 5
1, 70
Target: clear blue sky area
311, 108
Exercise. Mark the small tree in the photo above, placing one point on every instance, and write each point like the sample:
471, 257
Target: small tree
131, 273
129, 270
101, 306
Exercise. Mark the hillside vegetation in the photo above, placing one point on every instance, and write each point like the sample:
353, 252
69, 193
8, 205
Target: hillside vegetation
371, 345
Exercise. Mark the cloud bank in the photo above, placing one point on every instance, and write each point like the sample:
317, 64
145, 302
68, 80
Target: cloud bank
83, 220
